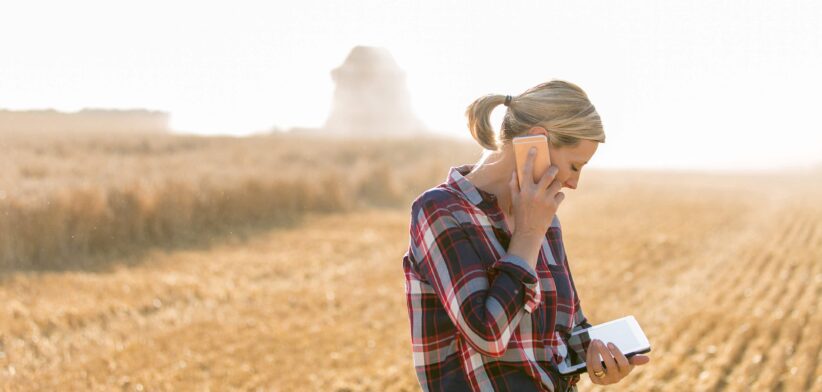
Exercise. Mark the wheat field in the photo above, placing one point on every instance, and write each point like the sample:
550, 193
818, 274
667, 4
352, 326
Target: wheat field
71, 201
723, 272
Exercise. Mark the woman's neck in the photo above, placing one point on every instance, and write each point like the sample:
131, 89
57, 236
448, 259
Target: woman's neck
493, 177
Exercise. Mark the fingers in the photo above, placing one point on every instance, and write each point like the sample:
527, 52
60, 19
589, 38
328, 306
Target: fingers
513, 185
639, 359
528, 170
559, 197
554, 190
610, 366
553, 193
624, 366
547, 177
593, 363
617, 365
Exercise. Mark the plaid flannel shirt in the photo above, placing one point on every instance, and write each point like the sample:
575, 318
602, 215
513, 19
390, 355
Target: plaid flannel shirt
482, 319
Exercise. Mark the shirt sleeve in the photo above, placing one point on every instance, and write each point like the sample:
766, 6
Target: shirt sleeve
578, 342
485, 314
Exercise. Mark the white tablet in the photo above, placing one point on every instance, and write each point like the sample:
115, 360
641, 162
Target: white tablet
624, 332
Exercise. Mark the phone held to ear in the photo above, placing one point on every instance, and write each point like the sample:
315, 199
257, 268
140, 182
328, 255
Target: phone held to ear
542, 160
624, 332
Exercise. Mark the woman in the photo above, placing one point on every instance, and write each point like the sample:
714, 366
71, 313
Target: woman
491, 300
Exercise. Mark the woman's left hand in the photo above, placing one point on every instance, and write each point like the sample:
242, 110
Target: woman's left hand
617, 366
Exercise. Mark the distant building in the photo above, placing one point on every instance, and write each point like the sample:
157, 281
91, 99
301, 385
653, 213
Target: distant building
371, 97
84, 121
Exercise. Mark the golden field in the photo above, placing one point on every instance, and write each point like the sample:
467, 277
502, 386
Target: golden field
69, 201
274, 263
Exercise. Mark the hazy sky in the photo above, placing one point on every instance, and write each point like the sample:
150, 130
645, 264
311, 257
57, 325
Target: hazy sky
704, 84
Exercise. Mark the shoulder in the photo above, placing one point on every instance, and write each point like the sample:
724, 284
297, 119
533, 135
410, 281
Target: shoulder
438, 201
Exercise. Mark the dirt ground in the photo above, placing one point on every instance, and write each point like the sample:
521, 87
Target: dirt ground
725, 280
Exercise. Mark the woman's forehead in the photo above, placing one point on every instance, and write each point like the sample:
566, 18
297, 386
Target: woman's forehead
582, 151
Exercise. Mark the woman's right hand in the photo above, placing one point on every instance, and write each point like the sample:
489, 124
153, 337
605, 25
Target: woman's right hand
536, 203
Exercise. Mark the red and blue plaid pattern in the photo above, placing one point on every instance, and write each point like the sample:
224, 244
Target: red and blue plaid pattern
482, 319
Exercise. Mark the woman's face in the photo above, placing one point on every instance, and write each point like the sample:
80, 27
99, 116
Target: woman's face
570, 160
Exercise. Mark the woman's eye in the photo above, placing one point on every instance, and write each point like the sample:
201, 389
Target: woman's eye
573, 168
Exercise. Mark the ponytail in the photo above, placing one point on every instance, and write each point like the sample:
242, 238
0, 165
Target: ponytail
561, 107
479, 113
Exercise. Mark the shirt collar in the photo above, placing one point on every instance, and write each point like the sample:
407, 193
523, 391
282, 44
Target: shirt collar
457, 181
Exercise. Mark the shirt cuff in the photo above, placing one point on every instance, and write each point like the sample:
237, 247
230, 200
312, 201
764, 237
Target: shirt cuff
520, 269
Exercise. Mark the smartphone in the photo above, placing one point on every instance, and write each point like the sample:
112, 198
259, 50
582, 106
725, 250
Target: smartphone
542, 160
624, 332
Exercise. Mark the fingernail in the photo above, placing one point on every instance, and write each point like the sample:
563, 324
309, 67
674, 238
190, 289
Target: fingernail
611, 345
532, 150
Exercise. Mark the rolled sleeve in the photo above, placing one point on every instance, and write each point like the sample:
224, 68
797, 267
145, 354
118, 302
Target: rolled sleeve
486, 312
521, 271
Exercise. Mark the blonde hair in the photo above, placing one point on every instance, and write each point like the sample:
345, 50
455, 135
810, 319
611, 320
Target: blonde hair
561, 107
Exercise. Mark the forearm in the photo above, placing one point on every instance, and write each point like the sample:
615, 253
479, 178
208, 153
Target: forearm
485, 311
526, 246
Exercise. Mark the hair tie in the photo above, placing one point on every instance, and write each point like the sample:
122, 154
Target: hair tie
507, 100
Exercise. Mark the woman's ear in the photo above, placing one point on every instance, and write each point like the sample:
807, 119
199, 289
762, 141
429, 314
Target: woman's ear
537, 130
